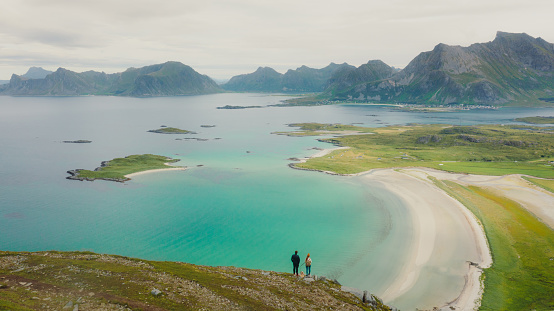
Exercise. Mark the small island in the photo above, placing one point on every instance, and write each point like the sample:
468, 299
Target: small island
171, 130
80, 141
120, 169
536, 120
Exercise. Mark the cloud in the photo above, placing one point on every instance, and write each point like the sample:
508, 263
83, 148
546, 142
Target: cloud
236, 36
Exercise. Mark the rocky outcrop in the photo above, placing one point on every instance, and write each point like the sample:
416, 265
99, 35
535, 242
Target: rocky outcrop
75, 175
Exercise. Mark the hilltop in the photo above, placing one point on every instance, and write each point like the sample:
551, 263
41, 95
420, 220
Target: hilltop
89, 281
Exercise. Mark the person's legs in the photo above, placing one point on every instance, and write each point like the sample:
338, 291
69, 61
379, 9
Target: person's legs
295, 269
308, 270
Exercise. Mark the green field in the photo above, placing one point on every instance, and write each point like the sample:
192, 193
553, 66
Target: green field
522, 274
117, 168
483, 149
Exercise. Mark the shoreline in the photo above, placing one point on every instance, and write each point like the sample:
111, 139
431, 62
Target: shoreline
421, 198
431, 244
169, 168
533, 198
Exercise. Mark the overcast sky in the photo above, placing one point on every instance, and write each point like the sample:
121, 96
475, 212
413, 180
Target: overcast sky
225, 38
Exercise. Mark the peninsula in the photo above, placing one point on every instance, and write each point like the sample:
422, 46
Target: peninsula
483, 149
122, 169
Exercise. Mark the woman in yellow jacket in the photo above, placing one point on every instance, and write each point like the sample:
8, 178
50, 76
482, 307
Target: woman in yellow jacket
308, 265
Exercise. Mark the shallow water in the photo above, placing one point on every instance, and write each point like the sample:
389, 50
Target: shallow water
243, 206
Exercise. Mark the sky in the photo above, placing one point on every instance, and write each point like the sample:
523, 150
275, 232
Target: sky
224, 38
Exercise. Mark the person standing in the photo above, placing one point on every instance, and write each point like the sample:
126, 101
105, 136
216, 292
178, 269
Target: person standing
295, 263
308, 262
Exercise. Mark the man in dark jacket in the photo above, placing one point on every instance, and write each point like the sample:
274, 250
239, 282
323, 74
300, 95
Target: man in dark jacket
295, 262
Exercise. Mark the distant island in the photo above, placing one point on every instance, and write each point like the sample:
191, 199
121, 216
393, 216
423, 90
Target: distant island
80, 141
120, 169
238, 107
171, 130
167, 79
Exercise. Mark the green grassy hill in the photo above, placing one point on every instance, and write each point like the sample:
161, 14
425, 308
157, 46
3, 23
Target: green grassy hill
88, 281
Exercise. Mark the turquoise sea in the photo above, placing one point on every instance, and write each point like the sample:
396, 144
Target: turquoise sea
238, 203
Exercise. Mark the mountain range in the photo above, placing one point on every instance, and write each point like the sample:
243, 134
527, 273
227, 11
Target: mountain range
514, 69
300, 80
167, 79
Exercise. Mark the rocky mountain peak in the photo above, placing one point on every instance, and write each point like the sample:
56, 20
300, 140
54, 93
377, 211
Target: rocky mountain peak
36, 73
512, 67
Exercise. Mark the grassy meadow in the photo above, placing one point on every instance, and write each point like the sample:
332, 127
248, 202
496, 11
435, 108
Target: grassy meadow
88, 281
483, 149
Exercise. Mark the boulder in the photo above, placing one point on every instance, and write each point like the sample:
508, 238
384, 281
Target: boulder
156, 292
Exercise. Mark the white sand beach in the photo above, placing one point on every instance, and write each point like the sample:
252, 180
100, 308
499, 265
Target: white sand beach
169, 168
322, 152
535, 199
445, 239
437, 242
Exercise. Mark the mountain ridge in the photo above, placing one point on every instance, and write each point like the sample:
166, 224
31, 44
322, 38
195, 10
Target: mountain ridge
167, 79
300, 80
511, 68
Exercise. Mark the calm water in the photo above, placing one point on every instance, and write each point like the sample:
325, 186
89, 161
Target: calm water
243, 206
